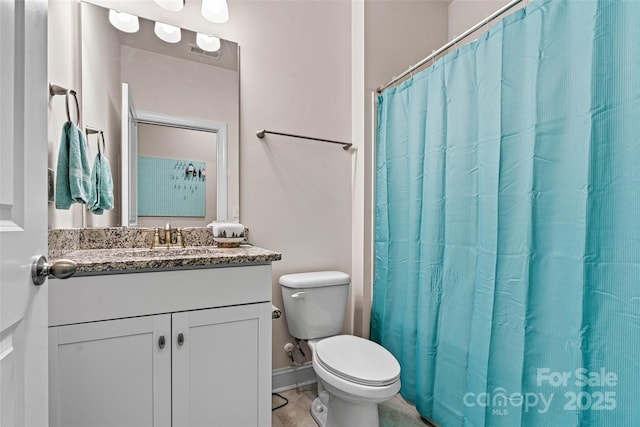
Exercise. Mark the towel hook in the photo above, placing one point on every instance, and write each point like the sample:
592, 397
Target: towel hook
73, 93
59, 90
104, 145
91, 131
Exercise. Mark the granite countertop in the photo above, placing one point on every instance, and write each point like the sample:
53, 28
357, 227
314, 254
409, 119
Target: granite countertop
121, 260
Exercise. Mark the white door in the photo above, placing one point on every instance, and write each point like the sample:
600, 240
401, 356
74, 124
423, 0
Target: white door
23, 211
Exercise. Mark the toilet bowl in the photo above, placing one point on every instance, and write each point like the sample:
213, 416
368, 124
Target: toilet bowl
354, 374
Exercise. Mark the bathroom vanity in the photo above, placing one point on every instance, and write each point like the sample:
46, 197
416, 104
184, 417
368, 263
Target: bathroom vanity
153, 338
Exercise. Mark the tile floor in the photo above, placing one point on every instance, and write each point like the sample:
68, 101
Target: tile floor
393, 413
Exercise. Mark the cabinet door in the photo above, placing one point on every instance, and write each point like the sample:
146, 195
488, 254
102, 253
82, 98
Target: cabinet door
222, 370
111, 373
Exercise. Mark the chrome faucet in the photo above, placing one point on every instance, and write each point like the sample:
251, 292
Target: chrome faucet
168, 241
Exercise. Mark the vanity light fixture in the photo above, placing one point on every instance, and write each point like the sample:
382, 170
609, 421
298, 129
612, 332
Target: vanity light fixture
207, 43
168, 33
216, 11
172, 5
124, 21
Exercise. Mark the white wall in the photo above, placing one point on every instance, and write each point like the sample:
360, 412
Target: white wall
99, 101
178, 87
295, 77
101, 94
64, 69
463, 14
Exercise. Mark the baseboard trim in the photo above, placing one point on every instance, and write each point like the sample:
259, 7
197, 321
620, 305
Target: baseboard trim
292, 377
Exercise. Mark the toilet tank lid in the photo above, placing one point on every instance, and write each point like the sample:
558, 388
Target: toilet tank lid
314, 279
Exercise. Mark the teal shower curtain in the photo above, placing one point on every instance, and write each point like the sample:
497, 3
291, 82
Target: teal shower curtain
507, 230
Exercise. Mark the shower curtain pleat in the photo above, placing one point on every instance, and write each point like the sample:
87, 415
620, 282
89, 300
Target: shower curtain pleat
516, 200
488, 59
507, 211
612, 267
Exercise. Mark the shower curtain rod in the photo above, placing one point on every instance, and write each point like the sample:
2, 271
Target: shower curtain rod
462, 36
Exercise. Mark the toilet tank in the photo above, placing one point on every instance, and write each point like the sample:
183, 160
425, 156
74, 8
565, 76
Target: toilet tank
315, 303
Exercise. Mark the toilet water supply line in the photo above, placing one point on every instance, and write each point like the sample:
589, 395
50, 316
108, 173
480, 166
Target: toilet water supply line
290, 349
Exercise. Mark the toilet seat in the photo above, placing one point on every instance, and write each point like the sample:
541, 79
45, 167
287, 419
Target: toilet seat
357, 360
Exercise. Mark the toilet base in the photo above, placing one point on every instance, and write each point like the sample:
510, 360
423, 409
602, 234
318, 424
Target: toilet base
319, 412
344, 413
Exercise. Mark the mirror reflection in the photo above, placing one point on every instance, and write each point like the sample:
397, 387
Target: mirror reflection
171, 184
170, 80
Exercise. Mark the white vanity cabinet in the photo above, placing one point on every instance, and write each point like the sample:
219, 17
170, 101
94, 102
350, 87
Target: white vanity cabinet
175, 348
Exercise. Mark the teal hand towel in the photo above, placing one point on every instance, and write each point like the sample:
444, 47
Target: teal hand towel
101, 186
72, 177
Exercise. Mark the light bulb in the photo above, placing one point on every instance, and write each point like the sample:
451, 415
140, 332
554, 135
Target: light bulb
124, 21
208, 43
172, 5
167, 32
216, 11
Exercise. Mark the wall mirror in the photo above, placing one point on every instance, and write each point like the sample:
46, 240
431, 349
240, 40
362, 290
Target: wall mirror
169, 94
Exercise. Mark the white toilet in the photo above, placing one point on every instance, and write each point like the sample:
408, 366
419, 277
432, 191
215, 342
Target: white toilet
354, 374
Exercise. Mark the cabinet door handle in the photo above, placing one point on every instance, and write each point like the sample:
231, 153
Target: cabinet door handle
161, 342
180, 339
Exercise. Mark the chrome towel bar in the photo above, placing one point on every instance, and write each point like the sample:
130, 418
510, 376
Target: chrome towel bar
345, 145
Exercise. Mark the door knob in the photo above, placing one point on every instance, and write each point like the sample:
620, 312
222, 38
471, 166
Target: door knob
41, 269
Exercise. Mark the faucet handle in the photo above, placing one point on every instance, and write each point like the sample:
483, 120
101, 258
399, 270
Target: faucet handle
156, 238
179, 240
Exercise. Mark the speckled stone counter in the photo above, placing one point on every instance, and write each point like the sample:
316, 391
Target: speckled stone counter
65, 240
108, 261
126, 249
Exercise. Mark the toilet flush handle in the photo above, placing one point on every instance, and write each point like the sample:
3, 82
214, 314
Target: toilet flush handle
298, 295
